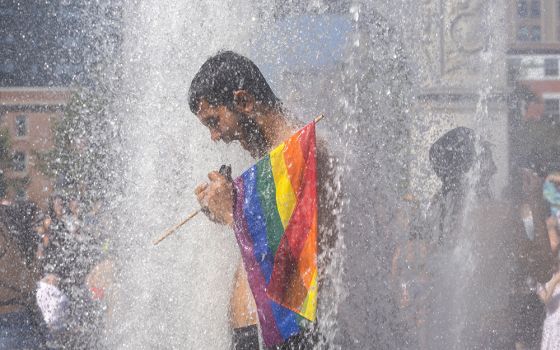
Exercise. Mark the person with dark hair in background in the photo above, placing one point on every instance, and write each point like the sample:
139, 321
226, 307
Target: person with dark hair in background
452, 157
73, 218
477, 249
549, 292
57, 251
535, 254
231, 97
20, 325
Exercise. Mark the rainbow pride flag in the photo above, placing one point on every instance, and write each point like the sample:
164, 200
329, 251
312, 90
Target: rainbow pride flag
275, 223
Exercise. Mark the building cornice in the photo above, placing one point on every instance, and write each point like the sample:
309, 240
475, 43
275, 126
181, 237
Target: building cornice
31, 108
34, 99
36, 89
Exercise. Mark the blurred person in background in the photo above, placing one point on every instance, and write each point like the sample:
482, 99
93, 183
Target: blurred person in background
72, 218
42, 229
481, 257
551, 192
535, 261
55, 309
550, 292
468, 248
58, 252
59, 290
52, 302
20, 321
454, 157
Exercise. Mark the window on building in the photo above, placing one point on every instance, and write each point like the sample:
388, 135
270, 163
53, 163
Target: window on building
552, 110
529, 33
535, 8
19, 161
513, 69
21, 125
522, 8
6, 10
558, 20
9, 38
551, 66
523, 33
8, 66
535, 34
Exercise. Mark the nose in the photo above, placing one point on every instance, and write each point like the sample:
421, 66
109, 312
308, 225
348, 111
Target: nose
215, 135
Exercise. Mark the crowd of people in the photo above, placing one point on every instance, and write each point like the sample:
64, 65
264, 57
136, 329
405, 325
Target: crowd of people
60, 271
473, 271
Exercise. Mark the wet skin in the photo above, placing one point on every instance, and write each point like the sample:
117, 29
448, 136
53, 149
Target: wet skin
216, 197
255, 127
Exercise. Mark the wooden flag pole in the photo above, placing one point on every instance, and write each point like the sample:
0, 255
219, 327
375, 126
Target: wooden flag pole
171, 230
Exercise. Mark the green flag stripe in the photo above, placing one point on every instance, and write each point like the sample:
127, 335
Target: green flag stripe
267, 195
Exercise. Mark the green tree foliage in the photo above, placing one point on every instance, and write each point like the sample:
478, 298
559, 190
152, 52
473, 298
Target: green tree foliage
80, 159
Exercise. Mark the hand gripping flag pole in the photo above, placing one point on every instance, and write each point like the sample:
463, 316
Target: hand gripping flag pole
173, 229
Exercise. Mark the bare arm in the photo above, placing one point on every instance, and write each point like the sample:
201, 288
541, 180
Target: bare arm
548, 289
243, 310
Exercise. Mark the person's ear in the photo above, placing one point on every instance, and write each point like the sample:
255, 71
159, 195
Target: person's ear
243, 101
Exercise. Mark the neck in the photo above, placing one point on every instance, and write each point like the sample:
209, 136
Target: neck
276, 127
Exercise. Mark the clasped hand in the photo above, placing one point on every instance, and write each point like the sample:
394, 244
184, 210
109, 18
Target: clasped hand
216, 198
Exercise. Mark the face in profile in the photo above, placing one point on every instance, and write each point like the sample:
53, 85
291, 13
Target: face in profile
221, 121
227, 126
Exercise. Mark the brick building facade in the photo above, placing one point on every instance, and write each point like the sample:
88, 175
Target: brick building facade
534, 54
28, 114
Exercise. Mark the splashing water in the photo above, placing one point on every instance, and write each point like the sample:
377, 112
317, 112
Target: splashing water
384, 102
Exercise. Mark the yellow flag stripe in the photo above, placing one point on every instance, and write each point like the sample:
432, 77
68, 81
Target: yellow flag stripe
309, 307
285, 195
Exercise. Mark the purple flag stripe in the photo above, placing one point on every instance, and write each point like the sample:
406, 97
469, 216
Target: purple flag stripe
270, 333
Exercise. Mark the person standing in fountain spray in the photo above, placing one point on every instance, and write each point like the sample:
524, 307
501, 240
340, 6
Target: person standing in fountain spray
230, 96
475, 252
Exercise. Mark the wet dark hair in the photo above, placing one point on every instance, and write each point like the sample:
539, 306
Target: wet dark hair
453, 154
223, 74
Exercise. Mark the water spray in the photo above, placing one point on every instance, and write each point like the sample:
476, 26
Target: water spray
225, 170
